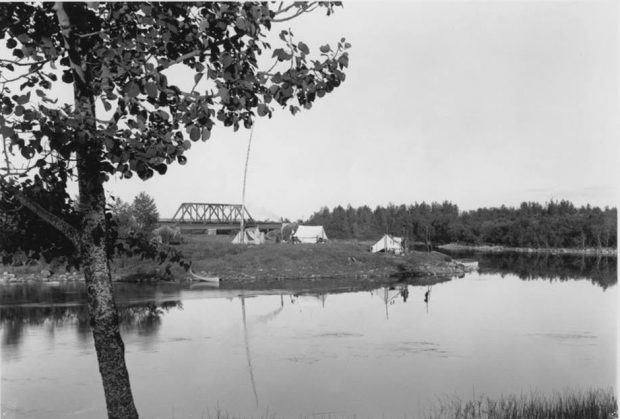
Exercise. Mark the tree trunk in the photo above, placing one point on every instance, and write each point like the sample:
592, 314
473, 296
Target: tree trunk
102, 309
92, 236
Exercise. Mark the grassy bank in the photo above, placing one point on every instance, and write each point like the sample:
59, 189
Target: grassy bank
234, 264
335, 259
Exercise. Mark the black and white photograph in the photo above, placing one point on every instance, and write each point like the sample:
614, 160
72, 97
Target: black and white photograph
309, 210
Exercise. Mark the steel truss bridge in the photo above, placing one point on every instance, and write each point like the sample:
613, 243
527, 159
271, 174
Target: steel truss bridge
199, 216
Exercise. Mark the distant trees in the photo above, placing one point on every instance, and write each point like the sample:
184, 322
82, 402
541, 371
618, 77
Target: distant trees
145, 212
141, 216
555, 224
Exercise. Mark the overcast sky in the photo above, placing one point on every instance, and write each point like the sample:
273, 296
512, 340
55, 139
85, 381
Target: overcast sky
478, 103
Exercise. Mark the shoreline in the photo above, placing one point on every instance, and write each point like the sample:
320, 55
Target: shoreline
240, 266
605, 251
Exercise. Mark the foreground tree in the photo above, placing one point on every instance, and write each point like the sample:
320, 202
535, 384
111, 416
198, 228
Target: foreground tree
128, 118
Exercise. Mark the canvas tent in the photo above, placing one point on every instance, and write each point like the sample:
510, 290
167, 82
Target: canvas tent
252, 236
310, 234
390, 244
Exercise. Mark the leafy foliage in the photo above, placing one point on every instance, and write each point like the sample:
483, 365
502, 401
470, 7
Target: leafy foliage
128, 117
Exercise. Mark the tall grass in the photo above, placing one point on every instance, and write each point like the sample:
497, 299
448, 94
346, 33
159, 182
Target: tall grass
591, 404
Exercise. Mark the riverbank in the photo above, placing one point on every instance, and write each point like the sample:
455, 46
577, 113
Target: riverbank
606, 251
235, 265
335, 260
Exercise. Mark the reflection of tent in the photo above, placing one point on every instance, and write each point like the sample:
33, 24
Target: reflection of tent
252, 236
310, 234
388, 243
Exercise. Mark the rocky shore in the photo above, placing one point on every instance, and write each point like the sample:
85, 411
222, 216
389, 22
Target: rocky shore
42, 276
605, 251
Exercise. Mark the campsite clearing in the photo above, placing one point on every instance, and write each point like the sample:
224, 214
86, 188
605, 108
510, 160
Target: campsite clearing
337, 261
240, 264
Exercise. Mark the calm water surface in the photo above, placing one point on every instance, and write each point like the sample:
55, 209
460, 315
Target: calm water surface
518, 325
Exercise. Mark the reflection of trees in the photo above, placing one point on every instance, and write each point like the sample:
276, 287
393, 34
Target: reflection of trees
601, 270
143, 318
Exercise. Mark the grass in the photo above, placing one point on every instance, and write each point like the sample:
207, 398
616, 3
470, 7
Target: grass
590, 404
217, 255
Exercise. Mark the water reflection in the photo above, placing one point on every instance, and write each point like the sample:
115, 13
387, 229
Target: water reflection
57, 308
369, 352
600, 270
247, 350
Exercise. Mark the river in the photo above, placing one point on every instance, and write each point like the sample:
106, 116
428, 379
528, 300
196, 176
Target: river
520, 324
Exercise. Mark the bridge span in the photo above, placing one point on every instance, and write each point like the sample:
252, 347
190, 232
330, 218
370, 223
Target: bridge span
199, 217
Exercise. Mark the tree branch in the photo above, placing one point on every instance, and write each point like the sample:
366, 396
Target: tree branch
308, 7
3, 60
179, 60
58, 223
29, 73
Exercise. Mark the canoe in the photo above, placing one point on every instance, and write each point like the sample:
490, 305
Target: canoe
201, 278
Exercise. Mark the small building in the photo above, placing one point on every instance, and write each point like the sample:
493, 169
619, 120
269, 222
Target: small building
252, 236
310, 234
388, 244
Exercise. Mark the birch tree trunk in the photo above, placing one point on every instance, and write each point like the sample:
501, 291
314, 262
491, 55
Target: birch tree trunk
91, 242
101, 306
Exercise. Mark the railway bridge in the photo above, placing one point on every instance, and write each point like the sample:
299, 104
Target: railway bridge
199, 217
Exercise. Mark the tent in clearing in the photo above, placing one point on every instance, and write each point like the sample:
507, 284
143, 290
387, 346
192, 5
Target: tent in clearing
390, 244
252, 236
310, 234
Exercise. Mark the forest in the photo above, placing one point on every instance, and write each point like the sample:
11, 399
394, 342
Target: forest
555, 224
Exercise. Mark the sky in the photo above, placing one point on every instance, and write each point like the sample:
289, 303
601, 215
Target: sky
475, 102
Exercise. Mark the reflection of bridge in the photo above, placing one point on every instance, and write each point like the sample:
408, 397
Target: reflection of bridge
197, 217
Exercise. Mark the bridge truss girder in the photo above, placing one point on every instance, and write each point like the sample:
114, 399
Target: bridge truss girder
205, 213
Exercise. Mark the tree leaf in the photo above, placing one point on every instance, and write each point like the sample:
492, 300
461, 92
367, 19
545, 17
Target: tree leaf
194, 133
161, 168
224, 94
132, 89
67, 76
303, 48
262, 109
151, 90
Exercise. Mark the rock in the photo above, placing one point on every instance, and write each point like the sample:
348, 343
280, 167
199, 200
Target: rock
45, 273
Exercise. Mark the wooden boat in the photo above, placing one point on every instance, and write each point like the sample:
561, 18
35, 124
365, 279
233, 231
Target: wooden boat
201, 278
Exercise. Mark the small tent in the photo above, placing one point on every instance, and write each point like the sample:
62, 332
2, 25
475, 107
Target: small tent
310, 234
252, 236
390, 244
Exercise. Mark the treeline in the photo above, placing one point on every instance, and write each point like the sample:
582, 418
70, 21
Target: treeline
556, 224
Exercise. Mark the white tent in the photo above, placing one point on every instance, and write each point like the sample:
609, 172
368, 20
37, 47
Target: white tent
388, 243
310, 234
252, 236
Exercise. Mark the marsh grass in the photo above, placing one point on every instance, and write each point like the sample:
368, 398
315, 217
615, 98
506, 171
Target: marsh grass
591, 404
